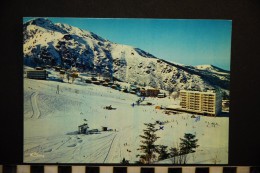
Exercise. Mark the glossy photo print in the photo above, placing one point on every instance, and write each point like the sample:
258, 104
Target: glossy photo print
126, 91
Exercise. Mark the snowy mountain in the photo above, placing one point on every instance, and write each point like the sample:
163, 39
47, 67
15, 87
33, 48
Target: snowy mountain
60, 44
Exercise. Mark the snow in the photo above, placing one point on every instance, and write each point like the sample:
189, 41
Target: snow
124, 62
51, 122
212, 69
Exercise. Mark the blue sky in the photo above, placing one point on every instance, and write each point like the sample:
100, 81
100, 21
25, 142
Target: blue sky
189, 42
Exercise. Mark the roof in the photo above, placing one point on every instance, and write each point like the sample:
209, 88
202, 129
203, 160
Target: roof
35, 70
152, 89
207, 92
83, 125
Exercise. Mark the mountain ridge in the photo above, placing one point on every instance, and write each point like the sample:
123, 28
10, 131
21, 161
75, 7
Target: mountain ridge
68, 46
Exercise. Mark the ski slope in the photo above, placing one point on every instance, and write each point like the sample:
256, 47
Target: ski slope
51, 122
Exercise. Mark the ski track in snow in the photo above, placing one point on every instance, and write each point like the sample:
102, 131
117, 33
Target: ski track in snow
36, 111
109, 148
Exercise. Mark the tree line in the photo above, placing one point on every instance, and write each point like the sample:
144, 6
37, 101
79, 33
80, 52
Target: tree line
151, 152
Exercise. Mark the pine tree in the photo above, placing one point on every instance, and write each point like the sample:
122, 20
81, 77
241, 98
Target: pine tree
187, 145
68, 77
124, 161
148, 148
163, 153
174, 155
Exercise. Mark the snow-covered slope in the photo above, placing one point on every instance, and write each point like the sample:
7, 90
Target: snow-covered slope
67, 46
51, 123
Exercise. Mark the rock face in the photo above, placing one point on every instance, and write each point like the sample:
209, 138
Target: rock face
46, 43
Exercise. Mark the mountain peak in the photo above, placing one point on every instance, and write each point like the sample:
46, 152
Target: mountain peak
39, 22
45, 23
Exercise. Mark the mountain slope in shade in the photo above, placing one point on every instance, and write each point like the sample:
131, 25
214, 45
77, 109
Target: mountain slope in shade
60, 44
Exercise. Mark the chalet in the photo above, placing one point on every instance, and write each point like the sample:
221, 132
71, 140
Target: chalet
101, 81
88, 81
125, 90
225, 103
110, 84
36, 74
83, 129
104, 128
105, 84
152, 92
96, 82
38, 68
132, 92
93, 79
62, 71
93, 74
57, 68
114, 86
107, 79
133, 88
161, 95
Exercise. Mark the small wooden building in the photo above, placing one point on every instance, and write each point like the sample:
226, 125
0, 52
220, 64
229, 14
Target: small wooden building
161, 95
110, 83
104, 128
105, 84
107, 80
93, 79
133, 92
96, 82
62, 71
83, 129
57, 68
36, 74
114, 86
88, 81
38, 68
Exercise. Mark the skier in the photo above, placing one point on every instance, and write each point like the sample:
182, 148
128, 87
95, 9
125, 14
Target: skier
161, 127
58, 90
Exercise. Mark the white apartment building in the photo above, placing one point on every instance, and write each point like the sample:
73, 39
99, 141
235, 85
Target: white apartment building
209, 102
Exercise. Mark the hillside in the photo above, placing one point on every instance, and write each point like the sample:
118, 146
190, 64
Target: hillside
46, 43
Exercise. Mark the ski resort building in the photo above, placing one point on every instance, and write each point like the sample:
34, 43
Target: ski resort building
152, 92
36, 74
161, 95
83, 129
208, 103
104, 128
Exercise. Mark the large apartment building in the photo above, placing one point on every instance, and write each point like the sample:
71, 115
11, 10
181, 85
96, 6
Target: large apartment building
209, 102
